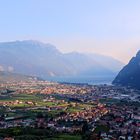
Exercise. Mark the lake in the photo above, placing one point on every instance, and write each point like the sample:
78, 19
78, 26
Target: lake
94, 80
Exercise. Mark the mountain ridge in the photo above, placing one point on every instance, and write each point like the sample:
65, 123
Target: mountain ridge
130, 74
43, 59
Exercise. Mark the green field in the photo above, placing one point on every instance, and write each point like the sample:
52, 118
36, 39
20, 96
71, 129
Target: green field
38, 100
22, 97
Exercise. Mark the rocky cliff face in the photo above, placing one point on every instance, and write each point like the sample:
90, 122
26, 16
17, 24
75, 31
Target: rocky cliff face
130, 74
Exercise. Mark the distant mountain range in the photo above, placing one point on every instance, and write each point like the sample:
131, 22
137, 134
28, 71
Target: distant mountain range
130, 74
44, 60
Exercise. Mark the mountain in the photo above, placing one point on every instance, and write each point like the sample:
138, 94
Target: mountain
35, 58
130, 74
13, 77
93, 64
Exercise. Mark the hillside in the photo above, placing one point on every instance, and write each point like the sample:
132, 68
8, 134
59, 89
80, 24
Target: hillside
13, 77
130, 74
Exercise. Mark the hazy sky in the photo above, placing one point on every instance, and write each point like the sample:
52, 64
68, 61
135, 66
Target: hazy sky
110, 27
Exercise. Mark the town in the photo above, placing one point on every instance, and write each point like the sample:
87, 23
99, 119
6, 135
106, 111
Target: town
51, 110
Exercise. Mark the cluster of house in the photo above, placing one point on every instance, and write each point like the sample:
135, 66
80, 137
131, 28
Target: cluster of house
123, 122
16, 102
96, 91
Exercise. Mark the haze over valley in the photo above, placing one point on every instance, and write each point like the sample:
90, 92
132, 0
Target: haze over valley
35, 58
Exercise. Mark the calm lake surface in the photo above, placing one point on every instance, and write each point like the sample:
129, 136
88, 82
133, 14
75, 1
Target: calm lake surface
96, 80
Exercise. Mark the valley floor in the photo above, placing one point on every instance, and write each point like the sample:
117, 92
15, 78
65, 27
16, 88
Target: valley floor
41, 110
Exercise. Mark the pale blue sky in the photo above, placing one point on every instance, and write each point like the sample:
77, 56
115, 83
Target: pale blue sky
110, 27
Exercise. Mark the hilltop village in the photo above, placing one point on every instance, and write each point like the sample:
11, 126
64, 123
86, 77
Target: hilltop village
78, 111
